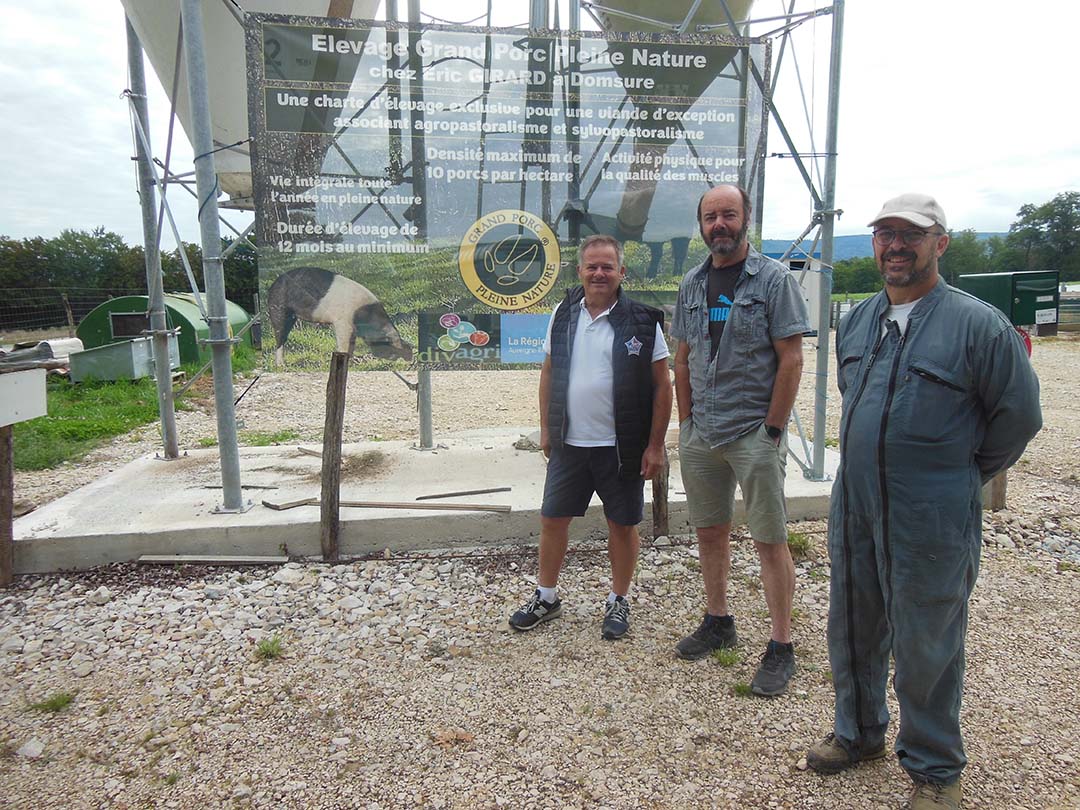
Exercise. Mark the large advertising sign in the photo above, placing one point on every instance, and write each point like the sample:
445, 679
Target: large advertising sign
448, 170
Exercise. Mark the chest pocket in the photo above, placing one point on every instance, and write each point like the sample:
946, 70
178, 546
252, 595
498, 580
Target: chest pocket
937, 396
749, 318
696, 323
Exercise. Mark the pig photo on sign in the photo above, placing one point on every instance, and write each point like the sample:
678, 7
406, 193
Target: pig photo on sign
319, 296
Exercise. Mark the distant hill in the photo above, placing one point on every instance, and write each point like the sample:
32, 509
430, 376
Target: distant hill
844, 247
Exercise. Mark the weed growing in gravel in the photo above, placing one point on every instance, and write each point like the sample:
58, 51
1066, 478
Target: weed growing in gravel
265, 438
208, 441
54, 703
799, 544
818, 573
172, 779
1067, 565
726, 656
741, 689
269, 648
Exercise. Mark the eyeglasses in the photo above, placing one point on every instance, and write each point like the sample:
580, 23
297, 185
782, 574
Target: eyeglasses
910, 237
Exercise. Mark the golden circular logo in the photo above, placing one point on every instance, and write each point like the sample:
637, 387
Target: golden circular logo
509, 259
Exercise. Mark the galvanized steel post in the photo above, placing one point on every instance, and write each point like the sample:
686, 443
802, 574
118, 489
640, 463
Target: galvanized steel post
213, 273
828, 221
156, 302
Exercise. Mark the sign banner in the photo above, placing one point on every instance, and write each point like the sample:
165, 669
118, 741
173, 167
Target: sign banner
444, 167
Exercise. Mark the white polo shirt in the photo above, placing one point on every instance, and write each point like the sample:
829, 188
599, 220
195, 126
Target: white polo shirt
590, 397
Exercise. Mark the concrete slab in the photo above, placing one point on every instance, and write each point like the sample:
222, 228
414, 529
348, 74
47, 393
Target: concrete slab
152, 506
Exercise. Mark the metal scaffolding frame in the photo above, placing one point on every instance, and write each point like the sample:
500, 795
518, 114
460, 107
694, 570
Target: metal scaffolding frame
191, 39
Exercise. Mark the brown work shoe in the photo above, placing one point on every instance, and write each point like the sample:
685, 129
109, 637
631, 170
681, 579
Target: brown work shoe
928, 796
829, 756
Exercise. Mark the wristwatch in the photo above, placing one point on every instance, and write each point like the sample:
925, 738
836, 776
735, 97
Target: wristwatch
774, 432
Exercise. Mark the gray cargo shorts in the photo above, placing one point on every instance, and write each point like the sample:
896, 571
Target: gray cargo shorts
754, 462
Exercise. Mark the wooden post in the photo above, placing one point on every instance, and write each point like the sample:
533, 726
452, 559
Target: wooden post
993, 493
330, 503
660, 500
68, 314
7, 505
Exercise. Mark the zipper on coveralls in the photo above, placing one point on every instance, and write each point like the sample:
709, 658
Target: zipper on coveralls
882, 483
850, 596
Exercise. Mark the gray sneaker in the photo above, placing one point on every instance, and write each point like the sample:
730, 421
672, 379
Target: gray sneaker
535, 612
777, 667
713, 633
616, 619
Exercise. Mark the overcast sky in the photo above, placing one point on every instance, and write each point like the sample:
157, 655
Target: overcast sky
972, 102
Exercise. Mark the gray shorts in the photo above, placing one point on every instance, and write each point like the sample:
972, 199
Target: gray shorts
754, 462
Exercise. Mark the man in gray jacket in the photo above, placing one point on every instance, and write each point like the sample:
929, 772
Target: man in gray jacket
938, 397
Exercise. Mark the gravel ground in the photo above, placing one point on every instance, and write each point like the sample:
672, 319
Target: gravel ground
400, 686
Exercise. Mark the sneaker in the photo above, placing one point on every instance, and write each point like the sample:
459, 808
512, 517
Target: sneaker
616, 619
536, 611
928, 796
776, 668
829, 756
712, 634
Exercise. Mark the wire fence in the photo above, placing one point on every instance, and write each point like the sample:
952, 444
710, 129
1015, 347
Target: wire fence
51, 308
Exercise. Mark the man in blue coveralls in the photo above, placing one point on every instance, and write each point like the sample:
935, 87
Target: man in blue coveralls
938, 397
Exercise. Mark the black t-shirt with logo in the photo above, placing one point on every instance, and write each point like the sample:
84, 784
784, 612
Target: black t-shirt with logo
721, 297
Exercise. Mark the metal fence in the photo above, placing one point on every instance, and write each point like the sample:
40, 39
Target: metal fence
1069, 315
33, 309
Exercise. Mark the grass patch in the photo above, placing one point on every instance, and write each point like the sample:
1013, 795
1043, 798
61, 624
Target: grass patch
81, 417
799, 545
172, 779
1067, 565
265, 438
208, 441
269, 648
741, 689
832, 441
726, 656
54, 703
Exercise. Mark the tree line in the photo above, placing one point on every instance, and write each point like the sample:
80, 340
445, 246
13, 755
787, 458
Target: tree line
1043, 237
101, 260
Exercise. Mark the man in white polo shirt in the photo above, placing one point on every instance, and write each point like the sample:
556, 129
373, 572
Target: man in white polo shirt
605, 402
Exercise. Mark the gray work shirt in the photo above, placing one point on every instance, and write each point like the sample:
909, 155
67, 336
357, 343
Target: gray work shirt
730, 393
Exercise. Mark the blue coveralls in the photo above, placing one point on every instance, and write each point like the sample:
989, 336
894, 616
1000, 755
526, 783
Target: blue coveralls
927, 417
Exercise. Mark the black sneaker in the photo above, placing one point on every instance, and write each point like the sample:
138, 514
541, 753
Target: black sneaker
536, 611
715, 632
777, 667
616, 619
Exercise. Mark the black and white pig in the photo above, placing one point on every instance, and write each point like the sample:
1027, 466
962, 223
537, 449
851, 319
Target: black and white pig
319, 296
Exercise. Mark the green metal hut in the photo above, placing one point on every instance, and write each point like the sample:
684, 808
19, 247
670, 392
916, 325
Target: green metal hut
125, 318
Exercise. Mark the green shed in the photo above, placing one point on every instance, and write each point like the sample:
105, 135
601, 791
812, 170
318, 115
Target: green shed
125, 318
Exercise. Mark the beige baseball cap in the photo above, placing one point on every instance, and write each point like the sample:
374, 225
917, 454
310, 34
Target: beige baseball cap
918, 209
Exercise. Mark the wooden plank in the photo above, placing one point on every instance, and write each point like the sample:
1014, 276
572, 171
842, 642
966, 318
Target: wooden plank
451, 507
994, 491
660, 500
333, 427
307, 451
463, 493
7, 503
283, 505
209, 559
459, 507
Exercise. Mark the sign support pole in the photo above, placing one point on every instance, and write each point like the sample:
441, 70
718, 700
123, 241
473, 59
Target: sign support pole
159, 327
828, 220
213, 272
